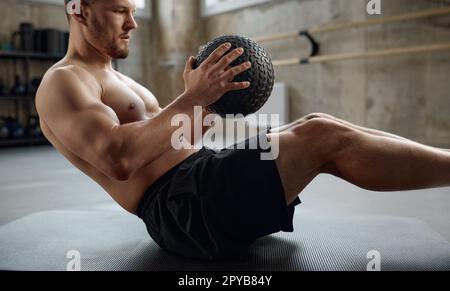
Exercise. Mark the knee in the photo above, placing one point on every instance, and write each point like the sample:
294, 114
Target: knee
323, 132
315, 126
317, 115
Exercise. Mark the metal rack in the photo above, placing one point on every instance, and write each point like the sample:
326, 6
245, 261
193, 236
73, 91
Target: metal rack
26, 58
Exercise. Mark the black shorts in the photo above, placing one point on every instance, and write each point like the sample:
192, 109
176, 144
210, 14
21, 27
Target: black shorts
215, 204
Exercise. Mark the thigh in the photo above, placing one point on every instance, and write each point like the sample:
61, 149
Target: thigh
304, 151
296, 165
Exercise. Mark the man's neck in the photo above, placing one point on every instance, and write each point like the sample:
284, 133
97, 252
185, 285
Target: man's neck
80, 50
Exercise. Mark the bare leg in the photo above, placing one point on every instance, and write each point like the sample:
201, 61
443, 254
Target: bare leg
361, 128
327, 116
383, 164
372, 162
375, 132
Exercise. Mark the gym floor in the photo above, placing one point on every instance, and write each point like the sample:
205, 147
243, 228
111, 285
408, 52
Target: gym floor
48, 206
40, 179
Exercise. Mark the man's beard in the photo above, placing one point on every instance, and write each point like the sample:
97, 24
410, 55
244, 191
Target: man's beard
112, 49
116, 53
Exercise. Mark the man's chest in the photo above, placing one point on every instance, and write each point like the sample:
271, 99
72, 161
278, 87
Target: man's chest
129, 101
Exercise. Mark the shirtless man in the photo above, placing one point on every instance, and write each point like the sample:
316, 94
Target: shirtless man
202, 203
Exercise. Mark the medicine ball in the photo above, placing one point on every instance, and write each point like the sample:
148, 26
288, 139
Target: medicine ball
260, 76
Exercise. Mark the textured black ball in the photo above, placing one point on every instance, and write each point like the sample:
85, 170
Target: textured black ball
260, 76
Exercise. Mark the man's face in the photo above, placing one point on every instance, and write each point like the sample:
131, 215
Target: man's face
109, 24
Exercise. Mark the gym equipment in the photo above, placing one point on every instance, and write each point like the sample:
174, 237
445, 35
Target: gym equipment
6, 47
45, 218
18, 89
42, 240
15, 129
52, 41
260, 76
2, 87
26, 34
4, 131
34, 129
65, 42
314, 58
35, 82
357, 24
39, 45
365, 55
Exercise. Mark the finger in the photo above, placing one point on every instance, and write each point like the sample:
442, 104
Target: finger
228, 59
217, 54
189, 64
231, 77
231, 73
237, 86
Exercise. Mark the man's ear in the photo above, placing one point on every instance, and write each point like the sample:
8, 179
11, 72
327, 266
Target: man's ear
82, 16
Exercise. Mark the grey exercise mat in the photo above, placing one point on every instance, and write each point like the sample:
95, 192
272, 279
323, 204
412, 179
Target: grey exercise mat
114, 240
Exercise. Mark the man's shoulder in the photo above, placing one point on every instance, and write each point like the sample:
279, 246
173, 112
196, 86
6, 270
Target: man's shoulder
67, 85
65, 77
65, 72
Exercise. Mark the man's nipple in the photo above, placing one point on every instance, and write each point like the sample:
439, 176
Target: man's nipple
132, 106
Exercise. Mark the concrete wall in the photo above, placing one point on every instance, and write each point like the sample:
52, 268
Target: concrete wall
177, 33
13, 12
408, 95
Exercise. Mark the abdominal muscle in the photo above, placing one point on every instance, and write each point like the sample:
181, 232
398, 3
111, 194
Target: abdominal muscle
128, 193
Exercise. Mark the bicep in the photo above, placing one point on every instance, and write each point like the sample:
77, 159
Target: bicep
81, 123
85, 132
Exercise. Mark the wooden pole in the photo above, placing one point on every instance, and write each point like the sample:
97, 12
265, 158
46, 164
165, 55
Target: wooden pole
357, 24
277, 36
365, 55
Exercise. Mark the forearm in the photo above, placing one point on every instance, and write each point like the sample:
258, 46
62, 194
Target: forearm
198, 129
143, 142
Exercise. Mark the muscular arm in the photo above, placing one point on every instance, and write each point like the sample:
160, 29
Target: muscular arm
153, 108
142, 142
71, 106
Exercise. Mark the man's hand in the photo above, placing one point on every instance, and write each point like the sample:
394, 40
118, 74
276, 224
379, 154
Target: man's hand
212, 79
